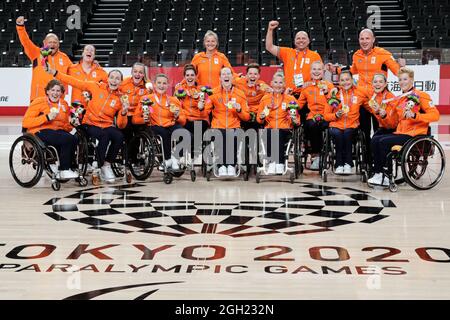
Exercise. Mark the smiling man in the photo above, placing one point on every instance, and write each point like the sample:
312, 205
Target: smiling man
296, 62
57, 59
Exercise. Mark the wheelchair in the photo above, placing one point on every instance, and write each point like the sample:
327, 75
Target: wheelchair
306, 149
421, 161
119, 166
212, 168
293, 148
29, 157
150, 154
359, 155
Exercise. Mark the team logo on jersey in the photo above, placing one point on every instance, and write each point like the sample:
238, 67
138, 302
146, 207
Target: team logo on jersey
307, 60
141, 92
216, 60
101, 95
61, 62
94, 74
113, 103
373, 60
355, 100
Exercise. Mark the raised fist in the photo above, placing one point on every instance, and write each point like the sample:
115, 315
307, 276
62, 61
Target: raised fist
20, 21
273, 24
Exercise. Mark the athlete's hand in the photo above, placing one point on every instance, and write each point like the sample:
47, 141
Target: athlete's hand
273, 25
20, 21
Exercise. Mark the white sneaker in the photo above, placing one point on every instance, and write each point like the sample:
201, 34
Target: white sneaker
107, 174
385, 182
222, 171
54, 168
280, 168
231, 171
168, 163
347, 169
175, 164
376, 179
339, 170
67, 174
272, 168
315, 164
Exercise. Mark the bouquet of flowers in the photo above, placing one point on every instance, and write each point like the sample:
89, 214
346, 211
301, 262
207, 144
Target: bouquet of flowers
207, 90
45, 52
334, 101
180, 93
76, 113
413, 101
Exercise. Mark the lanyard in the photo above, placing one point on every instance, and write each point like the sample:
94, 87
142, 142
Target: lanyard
342, 99
295, 62
59, 105
277, 103
159, 101
397, 97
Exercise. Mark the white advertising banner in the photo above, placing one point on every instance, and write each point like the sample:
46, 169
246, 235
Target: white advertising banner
426, 78
15, 86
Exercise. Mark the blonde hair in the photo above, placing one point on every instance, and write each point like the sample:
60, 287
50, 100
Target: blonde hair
162, 75
211, 33
278, 74
406, 70
382, 75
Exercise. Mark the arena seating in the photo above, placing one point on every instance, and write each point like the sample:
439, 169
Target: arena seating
169, 32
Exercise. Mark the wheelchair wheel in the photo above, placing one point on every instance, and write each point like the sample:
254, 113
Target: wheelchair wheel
82, 181
26, 161
56, 185
168, 178
423, 163
81, 154
193, 176
142, 161
298, 140
292, 177
258, 177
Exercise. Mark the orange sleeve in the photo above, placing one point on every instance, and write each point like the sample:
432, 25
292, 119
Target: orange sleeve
391, 119
32, 118
244, 115
329, 114
392, 65
31, 50
74, 82
121, 120
137, 117
302, 100
431, 112
283, 53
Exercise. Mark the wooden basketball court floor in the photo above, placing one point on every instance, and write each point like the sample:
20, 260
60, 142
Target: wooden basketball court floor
221, 239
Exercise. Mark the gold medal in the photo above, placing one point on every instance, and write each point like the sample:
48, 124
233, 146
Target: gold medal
124, 98
230, 105
345, 108
173, 108
266, 111
54, 110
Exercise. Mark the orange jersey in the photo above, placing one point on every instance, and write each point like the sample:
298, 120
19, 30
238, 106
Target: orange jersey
385, 100
161, 115
59, 61
351, 99
97, 74
297, 62
134, 93
103, 107
425, 111
222, 116
315, 97
279, 115
189, 104
253, 94
378, 60
208, 69
35, 118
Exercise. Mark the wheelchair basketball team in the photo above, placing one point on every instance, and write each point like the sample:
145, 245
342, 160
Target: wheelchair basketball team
133, 119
